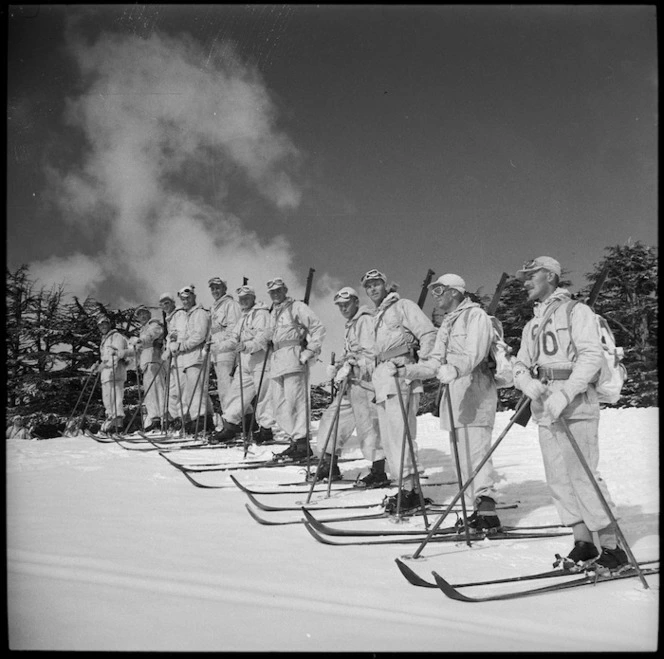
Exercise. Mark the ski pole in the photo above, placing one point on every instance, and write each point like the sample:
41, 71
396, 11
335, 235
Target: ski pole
411, 446
340, 395
206, 389
260, 386
457, 463
138, 384
179, 386
307, 412
94, 386
80, 396
603, 501
459, 494
113, 393
332, 380
147, 391
333, 453
167, 395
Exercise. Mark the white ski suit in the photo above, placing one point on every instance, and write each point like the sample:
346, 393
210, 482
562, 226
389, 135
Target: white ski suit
398, 324
464, 340
253, 329
224, 315
554, 361
294, 324
357, 411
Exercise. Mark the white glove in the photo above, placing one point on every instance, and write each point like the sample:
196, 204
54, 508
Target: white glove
447, 373
554, 405
390, 368
343, 372
305, 356
165, 354
534, 389
330, 371
240, 347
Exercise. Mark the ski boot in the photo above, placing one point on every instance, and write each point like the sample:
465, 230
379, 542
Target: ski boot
410, 500
375, 478
611, 561
227, 434
484, 519
263, 436
298, 450
153, 426
323, 469
583, 554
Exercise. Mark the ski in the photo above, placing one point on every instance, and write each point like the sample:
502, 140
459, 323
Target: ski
268, 508
337, 486
102, 439
590, 579
243, 464
478, 537
329, 530
416, 580
301, 520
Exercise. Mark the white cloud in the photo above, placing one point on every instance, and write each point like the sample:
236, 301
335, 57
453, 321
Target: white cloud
157, 115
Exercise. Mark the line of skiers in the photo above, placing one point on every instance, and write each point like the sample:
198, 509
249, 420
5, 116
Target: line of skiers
261, 358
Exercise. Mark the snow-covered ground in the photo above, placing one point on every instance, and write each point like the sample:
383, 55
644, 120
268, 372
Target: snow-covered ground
111, 549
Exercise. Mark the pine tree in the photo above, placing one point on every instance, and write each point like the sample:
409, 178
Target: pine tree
629, 303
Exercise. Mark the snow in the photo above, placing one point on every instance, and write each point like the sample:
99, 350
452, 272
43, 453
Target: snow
115, 550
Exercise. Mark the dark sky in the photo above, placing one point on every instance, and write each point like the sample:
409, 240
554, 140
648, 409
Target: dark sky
464, 139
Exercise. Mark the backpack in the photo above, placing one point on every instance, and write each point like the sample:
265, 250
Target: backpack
612, 374
500, 357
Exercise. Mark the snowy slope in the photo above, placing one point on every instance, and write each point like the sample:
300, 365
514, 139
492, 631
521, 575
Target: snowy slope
110, 549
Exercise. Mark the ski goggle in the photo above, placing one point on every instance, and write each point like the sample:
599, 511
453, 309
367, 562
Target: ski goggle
344, 295
277, 282
373, 274
186, 291
439, 290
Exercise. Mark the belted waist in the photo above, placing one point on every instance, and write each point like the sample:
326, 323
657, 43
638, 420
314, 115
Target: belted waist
545, 374
215, 329
392, 352
278, 345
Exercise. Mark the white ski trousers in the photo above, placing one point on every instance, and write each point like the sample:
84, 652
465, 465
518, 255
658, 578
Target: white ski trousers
356, 413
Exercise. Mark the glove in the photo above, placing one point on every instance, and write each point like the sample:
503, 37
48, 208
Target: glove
240, 347
330, 371
165, 354
305, 356
390, 368
447, 373
534, 389
555, 404
343, 372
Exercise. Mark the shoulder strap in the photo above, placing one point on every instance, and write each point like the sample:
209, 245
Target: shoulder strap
570, 306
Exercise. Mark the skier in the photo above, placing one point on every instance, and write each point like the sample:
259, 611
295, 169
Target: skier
297, 337
248, 339
17, 429
190, 347
356, 410
148, 345
399, 327
560, 381
175, 319
459, 360
224, 314
113, 373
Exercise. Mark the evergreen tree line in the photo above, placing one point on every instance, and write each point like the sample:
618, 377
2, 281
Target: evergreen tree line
52, 342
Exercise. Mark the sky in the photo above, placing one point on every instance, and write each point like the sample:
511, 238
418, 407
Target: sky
155, 146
